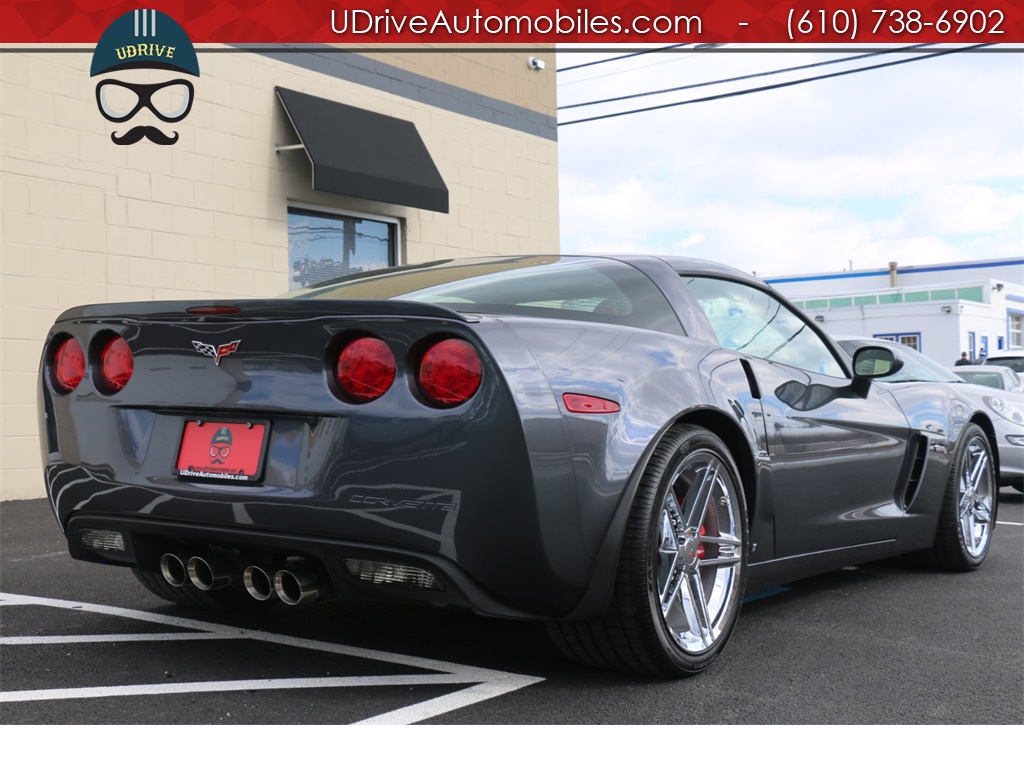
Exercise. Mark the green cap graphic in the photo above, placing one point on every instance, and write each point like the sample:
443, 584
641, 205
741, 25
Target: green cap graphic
144, 38
222, 436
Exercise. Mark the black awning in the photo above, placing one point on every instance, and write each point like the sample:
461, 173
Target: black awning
364, 154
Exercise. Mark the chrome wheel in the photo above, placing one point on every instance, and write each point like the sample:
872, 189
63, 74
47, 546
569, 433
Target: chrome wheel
681, 569
976, 491
700, 554
969, 507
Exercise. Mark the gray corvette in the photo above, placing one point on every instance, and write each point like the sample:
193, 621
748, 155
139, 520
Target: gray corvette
617, 447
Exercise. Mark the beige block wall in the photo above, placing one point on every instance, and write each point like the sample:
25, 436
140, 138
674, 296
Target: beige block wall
86, 221
500, 74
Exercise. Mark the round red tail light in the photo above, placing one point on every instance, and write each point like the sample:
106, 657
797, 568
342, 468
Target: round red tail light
69, 365
450, 372
366, 369
116, 364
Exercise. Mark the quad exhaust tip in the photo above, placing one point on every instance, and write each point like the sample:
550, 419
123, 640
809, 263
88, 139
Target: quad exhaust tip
205, 573
258, 583
292, 586
209, 572
172, 568
296, 586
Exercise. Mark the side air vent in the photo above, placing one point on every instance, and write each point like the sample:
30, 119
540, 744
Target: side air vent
913, 469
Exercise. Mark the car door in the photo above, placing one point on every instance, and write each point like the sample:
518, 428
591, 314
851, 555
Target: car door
836, 455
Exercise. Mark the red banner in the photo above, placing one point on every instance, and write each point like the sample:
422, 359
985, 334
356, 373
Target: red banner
479, 22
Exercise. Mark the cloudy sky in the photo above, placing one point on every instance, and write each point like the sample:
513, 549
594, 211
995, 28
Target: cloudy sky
920, 163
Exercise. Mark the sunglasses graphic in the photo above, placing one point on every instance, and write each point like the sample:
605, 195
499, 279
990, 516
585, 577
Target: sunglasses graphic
120, 101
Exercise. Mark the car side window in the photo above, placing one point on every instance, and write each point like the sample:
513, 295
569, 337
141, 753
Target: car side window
752, 321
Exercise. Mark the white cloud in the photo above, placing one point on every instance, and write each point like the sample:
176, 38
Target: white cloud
965, 208
919, 163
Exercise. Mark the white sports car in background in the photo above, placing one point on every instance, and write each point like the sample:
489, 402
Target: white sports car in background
993, 377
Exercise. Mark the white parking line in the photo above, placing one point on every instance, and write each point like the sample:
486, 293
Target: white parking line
484, 683
135, 638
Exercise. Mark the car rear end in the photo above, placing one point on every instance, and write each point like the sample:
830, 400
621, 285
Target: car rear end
298, 449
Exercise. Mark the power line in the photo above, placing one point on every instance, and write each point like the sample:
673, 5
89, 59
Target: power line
620, 58
773, 87
661, 61
741, 77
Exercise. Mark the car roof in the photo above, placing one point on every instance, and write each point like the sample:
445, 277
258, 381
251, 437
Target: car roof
678, 263
978, 368
847, 337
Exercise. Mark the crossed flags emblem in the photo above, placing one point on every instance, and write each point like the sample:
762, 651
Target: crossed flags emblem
216, 352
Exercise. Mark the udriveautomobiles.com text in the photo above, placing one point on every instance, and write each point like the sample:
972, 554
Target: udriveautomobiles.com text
361, 22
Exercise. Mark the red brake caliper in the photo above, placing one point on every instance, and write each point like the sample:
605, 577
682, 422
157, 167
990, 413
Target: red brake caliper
700, 546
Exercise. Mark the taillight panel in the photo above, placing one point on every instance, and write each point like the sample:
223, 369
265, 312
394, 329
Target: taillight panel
441, 371
67, 365
365, 368
115, 363
109, 363
449, 372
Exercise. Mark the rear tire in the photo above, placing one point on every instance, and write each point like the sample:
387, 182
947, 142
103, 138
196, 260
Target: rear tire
969, 507
225, 599
682, 567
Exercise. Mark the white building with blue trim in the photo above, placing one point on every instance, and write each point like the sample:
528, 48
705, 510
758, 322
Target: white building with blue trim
940, 310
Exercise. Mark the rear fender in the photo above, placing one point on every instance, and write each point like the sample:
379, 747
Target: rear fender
611, 451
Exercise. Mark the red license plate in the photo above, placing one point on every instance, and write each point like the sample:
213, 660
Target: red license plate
222, 451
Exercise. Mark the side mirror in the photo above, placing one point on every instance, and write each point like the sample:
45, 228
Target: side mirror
873, 363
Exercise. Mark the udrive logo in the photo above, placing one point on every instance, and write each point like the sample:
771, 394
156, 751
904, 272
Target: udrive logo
155, 65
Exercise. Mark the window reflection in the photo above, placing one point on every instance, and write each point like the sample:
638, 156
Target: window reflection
324, 246
755, 323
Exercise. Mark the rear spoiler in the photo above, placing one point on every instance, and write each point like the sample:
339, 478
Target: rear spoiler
261, 309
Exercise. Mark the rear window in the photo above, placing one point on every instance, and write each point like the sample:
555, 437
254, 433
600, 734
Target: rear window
601, 291
993, 380
1013, 363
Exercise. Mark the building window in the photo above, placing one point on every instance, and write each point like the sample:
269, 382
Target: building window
327, 244
912, 340
1016, 326
972, 346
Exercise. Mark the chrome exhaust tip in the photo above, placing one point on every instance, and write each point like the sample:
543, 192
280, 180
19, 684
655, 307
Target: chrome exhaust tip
258, 583
209, 572
172, 568
296, 586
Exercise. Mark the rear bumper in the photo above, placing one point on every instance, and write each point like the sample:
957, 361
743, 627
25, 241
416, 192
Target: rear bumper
146, 541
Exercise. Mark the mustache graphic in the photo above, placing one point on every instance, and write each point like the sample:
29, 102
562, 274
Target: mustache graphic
140, 132
216, 461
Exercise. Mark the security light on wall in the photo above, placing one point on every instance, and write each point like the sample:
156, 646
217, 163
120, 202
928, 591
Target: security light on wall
819, 318
534, 63
947, 309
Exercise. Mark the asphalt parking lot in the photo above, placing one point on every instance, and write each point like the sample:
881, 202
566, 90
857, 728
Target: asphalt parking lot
887, 643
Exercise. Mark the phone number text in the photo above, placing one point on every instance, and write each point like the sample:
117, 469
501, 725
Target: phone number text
888, 22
